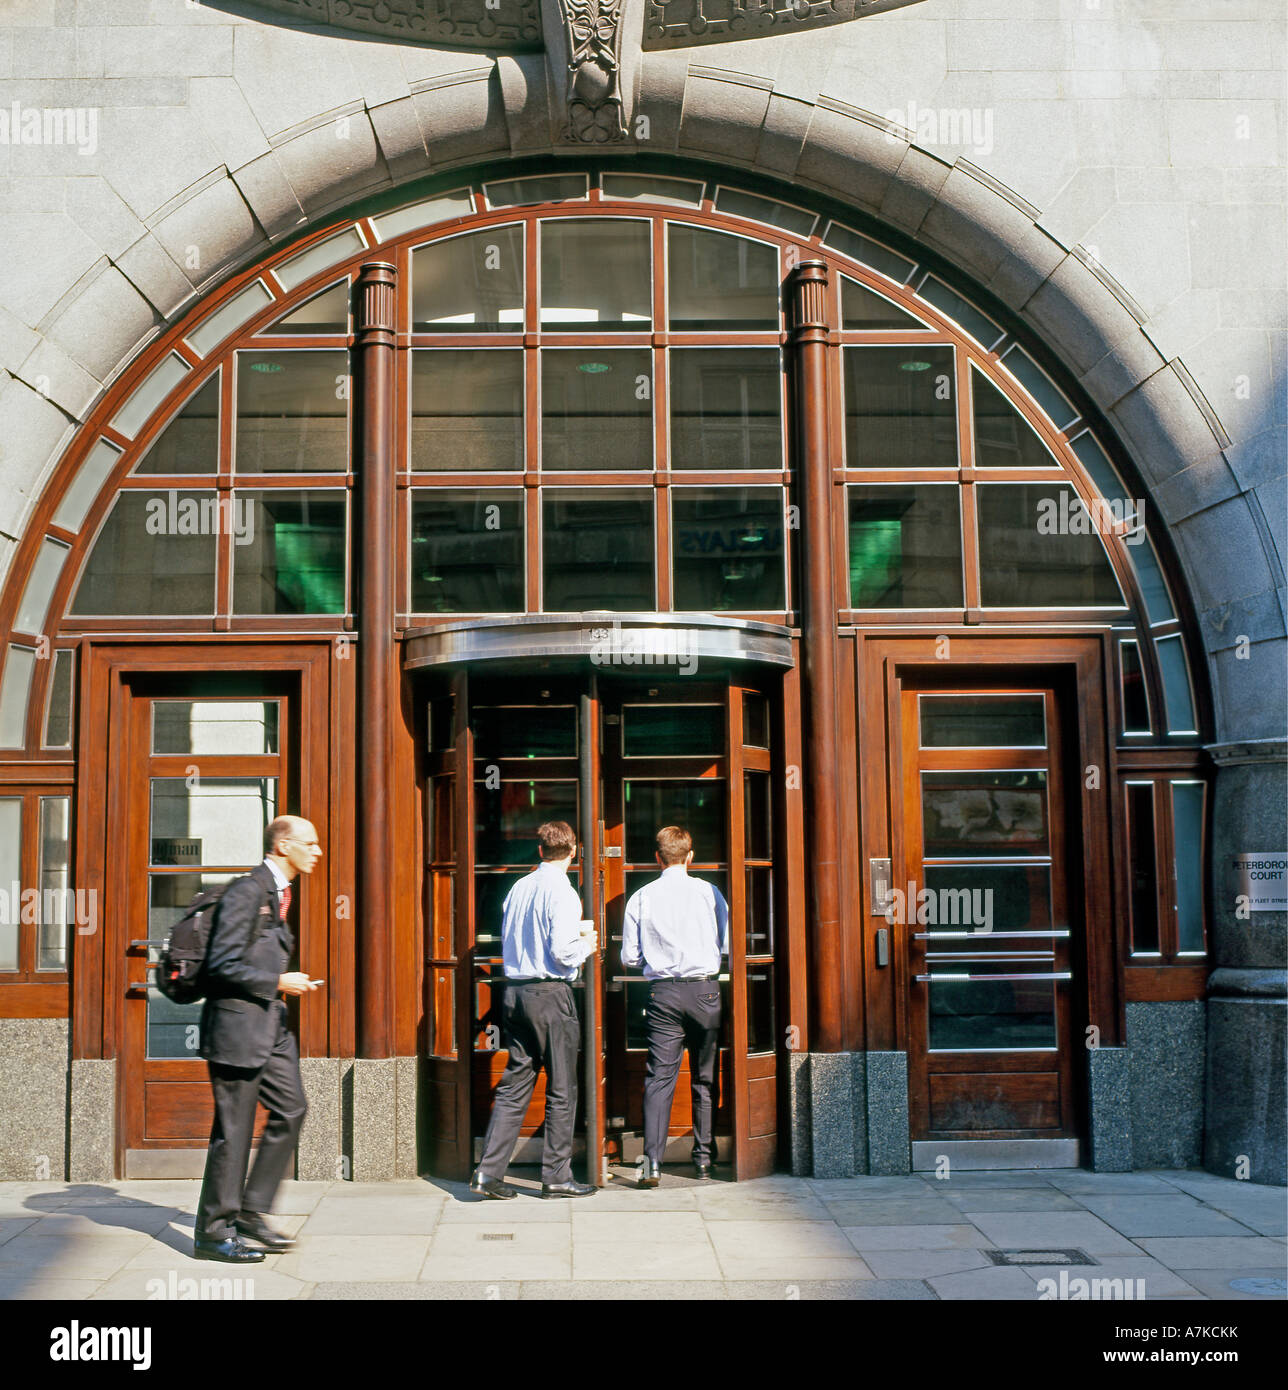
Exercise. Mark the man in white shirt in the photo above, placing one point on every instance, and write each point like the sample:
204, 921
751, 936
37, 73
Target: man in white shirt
677, 927
542, 949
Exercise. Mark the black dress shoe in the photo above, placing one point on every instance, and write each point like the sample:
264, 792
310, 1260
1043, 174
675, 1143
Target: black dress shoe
650, 1174
492, 1187
702, 1171
567, 1189
254, 1227
230, 1251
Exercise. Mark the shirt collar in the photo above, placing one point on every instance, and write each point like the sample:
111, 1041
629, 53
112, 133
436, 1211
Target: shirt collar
556, 866
279, 878
675, 869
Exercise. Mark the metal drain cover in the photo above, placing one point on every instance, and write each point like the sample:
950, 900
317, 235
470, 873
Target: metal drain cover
496, 1235
1039, 1256
1263, 1287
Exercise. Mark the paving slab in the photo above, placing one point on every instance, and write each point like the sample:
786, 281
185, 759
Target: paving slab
1058, 1229
1194, 1252
862, 1189
212, 1282
1125, 1278
1144, 1214
1217, 1283
1078, 1182
788, 1250
319, 1258
102, 1222
616, 1290
436, 1290
995, 1283
962, 1179
343, 1216
923, 1264
731, 1205
12, 1290
957, 1236
1013, 1199
11, 1225
39, 1257
537, 1250
892, 1211
488, 1211
808, 1290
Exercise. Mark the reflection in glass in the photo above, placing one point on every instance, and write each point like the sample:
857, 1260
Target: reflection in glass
672, 731
637, 995
190, 442
489, 897
1176, 685
863, 308
988, 898
215, 726
524, 731
467, 410
905, 547
755, 720
983, 721
1031, 555
507, 817
726, 408
987, 812
760, 911
327, 312
727, 549
597, 550
469, 284
1187, 833
58, 714
292, 412
1142, 867
467, 551
219, 821
717, 281
697, 806
760, 1006
596, 409
1006, 1014
1135, 700
755, 812
900, 407
596, 275
1003, 437
173, 1029
155, 554
295, 559
10, 873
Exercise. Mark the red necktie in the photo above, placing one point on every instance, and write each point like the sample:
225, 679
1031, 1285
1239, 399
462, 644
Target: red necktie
286, 902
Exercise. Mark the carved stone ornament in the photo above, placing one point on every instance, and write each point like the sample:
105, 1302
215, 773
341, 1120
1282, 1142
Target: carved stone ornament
594, 58
504, 26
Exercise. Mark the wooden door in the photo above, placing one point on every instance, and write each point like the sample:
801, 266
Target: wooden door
202, 774
980, 905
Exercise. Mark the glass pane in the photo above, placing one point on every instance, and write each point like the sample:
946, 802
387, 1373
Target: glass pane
758, 840
990, 813
900, 407
229, 317
1187, 831
727, 548
979, 326
650, 189
467, 552
307, 264
720, 282
219, 821
983, 899
489, 897
84, 487
155, 554
1135, 699
10, 879
1038, 549
597, 551
596, 409
327, 312
1005, 1014
542, 188
469, 284
864, 308
442, 837
173, 1030
407, 218
14, 692
190, 442
1142, 867
867, 252
489, 992
215, 726
756, 209
292, 412
508, 814
524, 731
467, 410
755, 720
34, 605
905, 547
696, 806
1176, 686
760, 911
596, 275
1027, 372
59, 905
672, 731
294, 560
58, 714
983, 721
1003, 437
441, 719
442, 906
1153, 586
442, 1013
637, 994
760, 1007
149, 394
726, 408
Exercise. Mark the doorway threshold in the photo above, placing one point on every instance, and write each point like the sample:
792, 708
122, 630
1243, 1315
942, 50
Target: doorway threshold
982, 1154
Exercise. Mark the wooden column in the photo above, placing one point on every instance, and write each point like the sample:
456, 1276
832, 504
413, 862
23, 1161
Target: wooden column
807, 308
375, 340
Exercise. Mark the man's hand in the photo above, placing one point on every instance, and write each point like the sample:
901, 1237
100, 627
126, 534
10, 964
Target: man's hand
296, 983
590, 939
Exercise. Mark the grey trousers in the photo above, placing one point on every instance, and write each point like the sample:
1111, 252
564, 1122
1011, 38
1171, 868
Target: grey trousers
540, 1028
681, 1013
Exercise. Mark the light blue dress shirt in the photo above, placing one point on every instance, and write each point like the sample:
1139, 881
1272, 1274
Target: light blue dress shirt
541, 925
677, 926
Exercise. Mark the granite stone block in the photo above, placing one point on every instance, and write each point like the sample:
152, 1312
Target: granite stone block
889, 1150
91, 1140
1109, 1082
34, 1076
1166, 1044
831, 1114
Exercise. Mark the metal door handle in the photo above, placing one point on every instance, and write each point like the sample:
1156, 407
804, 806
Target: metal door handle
984, 979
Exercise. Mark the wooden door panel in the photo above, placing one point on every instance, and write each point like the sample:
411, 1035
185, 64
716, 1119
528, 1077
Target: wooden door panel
994, 1101
183, 1110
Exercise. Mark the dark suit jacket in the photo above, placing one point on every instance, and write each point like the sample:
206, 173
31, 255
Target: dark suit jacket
242, 1012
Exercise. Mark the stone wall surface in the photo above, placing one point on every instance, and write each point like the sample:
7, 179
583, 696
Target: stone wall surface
34, 1078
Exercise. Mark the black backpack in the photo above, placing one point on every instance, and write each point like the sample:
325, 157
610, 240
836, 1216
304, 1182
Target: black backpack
181, 967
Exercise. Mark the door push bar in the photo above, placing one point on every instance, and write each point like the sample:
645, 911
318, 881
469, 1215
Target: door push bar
985, 979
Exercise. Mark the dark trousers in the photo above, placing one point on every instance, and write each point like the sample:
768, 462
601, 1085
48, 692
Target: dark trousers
276, 1085
681, 1013
540, 1028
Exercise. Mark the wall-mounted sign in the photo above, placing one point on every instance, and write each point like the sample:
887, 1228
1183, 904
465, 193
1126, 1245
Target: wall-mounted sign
1263, 880
175, 851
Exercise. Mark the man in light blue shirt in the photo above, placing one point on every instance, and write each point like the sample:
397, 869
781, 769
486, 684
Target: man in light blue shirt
542, 946
677, 927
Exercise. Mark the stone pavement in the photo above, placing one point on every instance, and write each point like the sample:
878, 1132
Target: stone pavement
1186, 1235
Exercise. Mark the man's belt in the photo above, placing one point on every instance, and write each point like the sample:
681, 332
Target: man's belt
536, 980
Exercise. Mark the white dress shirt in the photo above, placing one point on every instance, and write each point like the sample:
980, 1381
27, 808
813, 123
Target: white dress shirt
541, 925
279, 879
677, 926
